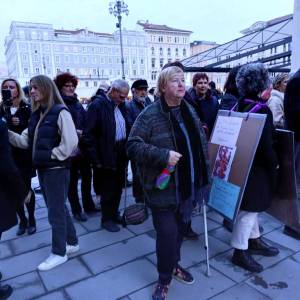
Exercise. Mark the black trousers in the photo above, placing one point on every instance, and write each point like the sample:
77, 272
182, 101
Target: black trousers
137, 189
26, 175
80, 167
169, 229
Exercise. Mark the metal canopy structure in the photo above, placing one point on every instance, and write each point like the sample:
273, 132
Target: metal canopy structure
260, 45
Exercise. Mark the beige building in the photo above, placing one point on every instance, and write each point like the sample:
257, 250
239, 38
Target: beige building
201, 46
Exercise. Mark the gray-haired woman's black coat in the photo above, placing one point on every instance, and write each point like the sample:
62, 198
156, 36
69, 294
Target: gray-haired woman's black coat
12, 188
262, 178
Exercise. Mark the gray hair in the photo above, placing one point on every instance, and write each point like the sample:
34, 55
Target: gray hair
278, 80
120, 84
252, 79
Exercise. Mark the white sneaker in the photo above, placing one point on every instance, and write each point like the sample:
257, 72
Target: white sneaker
52, 261
72, 249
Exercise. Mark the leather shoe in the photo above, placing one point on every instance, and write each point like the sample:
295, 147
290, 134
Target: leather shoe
81, 217
31, 230
291, 232
21, 230
243, 259
0, 275
5, 291
260, 247
110, 226
93, 210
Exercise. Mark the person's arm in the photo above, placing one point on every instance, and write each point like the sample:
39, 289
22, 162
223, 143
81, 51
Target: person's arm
19, 140
69, 138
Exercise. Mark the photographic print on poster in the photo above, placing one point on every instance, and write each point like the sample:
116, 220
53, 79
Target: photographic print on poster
223, 162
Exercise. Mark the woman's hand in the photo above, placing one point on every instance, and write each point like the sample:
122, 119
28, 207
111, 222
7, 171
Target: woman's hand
173, 158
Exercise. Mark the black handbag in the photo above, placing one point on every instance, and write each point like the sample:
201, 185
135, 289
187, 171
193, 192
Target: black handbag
134, 214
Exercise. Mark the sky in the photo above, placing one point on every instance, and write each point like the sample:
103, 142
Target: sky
211, 20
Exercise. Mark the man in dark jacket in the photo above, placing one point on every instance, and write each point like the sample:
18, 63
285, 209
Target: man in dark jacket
104, 138
12, 192
133, 109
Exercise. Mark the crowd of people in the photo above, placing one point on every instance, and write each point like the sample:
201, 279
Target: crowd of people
53, 135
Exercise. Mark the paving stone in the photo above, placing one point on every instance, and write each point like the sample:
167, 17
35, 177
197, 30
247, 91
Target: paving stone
116, 283
5, 250
280, 282
64, 274
24, 263
278, 237
41, 213
9, 234
241, 292
31, 242
213, 215
102, 238
109, 257
26, 286
268, 223
53, 296
203, 288
142, 228
193, 252
223, 263
92, 224
221, 234
198, 225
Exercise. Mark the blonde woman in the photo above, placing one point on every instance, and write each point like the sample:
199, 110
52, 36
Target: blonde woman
51, 138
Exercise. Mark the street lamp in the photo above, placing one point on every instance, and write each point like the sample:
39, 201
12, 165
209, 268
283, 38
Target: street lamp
117, 9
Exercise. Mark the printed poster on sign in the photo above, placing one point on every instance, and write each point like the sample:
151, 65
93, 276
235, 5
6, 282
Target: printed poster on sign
223, 162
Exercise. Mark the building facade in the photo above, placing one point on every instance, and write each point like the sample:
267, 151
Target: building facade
165, 44
35, 48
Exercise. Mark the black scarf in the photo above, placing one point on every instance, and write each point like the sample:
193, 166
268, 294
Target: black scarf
183, 166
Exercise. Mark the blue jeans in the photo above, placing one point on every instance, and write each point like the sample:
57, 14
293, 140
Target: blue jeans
55, 184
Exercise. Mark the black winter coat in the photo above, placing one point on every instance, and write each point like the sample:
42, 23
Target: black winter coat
207, 108
262, 178
292, 105
12, 189
134, 108
228, 101
100, 131
22, 157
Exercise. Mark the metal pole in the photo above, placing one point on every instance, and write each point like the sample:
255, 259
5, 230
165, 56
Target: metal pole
121, 44
208, 274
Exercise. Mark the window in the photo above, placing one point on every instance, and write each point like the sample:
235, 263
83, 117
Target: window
86, 84
133, 61
25, 71
134, 72
153, 75
142, 73
169, 51
153, 62
94, 71
169, 60
35, 58
37, 70
95, 83
160, 39
176, 51
160, 51
184, 52
24, 57
142, 61
57, 59
152, 51
161, 62
66, 58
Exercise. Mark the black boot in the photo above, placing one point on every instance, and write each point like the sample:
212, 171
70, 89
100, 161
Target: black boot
228, 225
5, 291
242, 258
259, 247
291, 232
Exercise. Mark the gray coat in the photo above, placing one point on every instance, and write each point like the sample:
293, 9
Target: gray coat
150, 140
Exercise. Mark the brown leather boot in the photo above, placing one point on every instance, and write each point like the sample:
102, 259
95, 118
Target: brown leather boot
260, 247
243, 259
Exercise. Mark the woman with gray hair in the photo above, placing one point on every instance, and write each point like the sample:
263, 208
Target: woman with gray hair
252, 80
275, 102
168, 135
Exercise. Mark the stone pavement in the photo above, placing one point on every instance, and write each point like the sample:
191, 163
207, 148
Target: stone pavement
122, 265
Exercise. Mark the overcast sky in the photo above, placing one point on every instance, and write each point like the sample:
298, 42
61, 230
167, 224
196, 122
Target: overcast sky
212, 20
